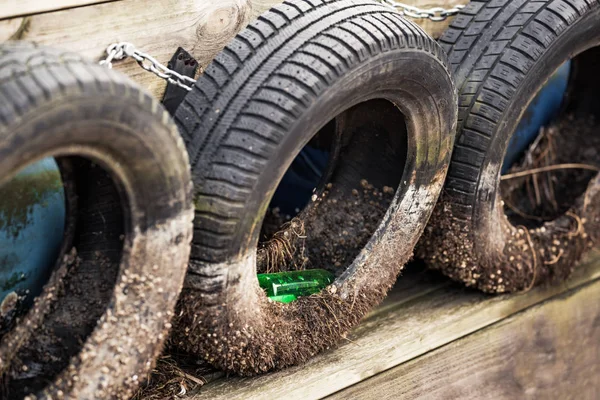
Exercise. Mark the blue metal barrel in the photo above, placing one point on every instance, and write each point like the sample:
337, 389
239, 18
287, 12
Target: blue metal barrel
540, 112
303, 176
32, 222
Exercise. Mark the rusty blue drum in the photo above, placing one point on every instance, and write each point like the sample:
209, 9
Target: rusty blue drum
539, 113
32, 221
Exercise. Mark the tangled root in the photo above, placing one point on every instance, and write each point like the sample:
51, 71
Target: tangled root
284, 250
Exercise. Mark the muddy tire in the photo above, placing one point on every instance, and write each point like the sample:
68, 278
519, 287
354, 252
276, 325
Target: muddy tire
105, 311
502, 53
257, 105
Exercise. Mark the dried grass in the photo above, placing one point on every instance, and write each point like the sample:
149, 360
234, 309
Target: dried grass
175, 376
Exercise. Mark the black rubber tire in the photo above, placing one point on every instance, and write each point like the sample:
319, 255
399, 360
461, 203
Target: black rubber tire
103, 316
502, 52
259, 102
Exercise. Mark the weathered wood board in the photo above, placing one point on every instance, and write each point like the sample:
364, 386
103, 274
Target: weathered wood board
551, 351
17, 8
403, 330
202, 27
158, 28
435, 28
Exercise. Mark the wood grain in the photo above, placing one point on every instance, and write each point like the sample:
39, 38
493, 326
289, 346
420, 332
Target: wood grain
551, 351
158, 28
11, 29
390, 338
15, 8
435, 28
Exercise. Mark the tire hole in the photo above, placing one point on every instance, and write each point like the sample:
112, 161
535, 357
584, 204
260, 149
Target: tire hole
82, 279
559, 138
336, 191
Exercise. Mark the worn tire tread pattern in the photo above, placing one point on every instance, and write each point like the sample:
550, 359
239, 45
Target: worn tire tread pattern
519, 31
305, 58
19, 61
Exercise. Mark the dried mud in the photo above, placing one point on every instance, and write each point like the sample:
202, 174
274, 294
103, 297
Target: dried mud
275, 335
70, 314
286, 340
327, 234
547, 221
100, 321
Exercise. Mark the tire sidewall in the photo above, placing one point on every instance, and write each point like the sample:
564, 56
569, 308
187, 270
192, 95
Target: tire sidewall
140, 149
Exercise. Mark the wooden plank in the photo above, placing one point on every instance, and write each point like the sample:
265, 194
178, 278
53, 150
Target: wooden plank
17, 8
551, 351
388, 339
434, 28
202, 27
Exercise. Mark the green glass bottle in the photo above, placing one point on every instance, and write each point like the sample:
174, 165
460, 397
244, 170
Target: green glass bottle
286, 287
284, 298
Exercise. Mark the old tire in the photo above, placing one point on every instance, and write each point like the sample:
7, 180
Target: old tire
261, 100
104, 314
502, 53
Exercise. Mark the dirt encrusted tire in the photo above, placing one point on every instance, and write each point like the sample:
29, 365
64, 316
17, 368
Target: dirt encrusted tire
502, 52
257, 105
104, 313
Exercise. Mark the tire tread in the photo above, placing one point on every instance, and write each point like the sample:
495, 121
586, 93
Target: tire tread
305, 45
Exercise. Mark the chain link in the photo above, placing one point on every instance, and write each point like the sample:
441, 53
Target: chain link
435, 14
120, 51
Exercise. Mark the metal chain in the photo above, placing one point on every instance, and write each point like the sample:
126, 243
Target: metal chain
120, 51
435, 14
